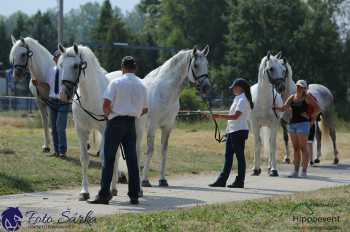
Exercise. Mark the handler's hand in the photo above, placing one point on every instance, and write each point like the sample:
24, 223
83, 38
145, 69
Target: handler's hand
35, 82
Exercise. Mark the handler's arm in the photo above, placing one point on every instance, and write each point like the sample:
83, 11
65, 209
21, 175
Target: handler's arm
107, 107
313, 103
286, 106
234, 116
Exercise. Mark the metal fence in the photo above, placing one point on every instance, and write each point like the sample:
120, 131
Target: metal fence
16, 103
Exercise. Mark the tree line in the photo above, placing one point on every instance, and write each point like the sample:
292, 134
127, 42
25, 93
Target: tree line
239, 32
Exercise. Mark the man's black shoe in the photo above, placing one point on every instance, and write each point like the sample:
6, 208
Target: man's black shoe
101, 200
236, 185
218, 183
134, 201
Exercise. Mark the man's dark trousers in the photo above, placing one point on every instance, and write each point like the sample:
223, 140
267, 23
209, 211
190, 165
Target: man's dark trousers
120, 130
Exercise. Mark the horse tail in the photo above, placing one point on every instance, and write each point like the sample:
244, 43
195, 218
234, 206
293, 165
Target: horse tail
327, 121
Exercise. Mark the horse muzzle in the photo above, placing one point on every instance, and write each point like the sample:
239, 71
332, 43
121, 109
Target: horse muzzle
66, 94
19, 74
204, 87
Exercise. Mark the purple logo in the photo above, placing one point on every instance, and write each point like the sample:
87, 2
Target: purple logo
11, 219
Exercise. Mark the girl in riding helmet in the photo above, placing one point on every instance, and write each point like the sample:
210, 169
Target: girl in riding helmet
237, 133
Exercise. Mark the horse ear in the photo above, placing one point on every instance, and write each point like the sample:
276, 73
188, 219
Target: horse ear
279, 55
268, 55
205, 50
194, 52
13, 40
61, 48
75, 46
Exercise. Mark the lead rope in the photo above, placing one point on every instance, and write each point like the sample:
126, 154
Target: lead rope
217, 134
274, 96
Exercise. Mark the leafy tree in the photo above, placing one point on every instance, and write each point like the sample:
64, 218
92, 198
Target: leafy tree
4, 45
304, 32
87, 16
189, 100
43, 30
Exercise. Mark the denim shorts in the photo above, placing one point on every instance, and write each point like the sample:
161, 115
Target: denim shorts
299, 128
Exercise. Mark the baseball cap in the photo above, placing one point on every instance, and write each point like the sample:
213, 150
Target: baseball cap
302, 83
239, 82
56, 53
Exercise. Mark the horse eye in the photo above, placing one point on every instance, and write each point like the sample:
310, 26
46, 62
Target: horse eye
23, 55
195, 66
271, 69
75, 66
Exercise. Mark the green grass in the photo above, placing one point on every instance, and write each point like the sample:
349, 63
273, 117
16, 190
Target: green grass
255, 215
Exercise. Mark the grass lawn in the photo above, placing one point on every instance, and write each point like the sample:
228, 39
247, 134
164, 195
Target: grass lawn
192, 149
277, 214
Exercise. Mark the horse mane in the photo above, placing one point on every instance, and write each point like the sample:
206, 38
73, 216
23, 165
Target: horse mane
33, 44
171, 62
93, 65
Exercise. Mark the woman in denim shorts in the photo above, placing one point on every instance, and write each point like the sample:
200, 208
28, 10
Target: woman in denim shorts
299, 125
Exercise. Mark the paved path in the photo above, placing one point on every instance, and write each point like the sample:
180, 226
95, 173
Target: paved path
185, 191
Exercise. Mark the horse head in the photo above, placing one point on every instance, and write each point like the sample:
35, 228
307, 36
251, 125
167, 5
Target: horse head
198, 70
71, 65
275, 68
20, 56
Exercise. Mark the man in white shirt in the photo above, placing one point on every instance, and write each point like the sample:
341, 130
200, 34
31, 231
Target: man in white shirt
124, 100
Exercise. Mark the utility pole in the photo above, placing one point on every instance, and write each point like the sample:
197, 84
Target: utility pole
60, 21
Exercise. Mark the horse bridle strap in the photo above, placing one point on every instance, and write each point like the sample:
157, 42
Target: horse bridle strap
24, 67
197, 79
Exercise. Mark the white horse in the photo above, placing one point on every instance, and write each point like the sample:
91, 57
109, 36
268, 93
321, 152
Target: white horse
28, 55
325, 100
265, 97
82, 72
164, 86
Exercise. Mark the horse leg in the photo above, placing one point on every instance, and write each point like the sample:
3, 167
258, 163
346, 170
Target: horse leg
318, 139
273, 137
332, 134
84, 160
164, 152
45, 122
286, 140
257, 142
150, 150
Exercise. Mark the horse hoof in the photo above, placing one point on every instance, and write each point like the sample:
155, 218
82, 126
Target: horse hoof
114, 192
256, 172
141, 193
274, 173
84, 196
336, 161
146, 183
287, 160
163, 183
317, 161
122, 179
46, 149
88, 146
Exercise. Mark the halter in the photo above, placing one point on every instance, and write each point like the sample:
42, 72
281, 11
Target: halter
23, 67
82, 66
198, 79
274, 82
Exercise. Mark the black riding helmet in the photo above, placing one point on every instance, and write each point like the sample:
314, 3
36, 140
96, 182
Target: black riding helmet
244, 84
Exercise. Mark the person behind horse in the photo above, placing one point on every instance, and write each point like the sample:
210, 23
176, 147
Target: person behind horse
237, 130
58, 110
124, 100
299, 125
